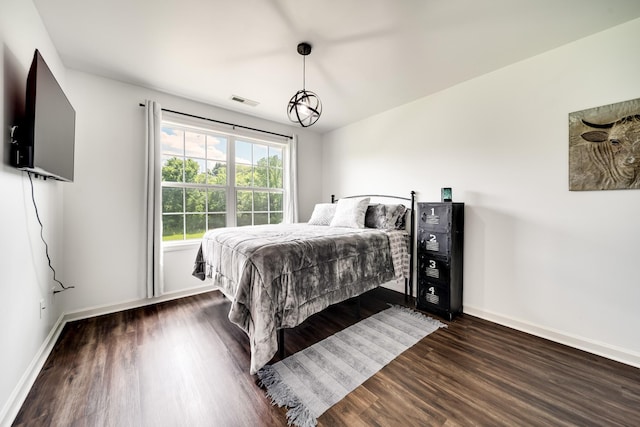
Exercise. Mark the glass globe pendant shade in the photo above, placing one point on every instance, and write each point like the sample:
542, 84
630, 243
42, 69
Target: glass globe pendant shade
304, 108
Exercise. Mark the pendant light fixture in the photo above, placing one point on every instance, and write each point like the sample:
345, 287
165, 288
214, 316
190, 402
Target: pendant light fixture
305, 106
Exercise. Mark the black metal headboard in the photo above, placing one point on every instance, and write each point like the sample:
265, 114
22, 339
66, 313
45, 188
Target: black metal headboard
408, 289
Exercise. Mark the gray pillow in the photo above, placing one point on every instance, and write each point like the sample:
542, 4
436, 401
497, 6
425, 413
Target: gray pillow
384, 216
401, 223
376, 216
399, 217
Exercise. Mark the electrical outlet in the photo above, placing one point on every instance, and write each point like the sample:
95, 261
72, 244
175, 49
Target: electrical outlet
42, 307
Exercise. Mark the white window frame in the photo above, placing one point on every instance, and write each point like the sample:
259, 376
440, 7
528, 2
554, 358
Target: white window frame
201, 126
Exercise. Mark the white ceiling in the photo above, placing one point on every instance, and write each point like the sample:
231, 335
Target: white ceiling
368, 55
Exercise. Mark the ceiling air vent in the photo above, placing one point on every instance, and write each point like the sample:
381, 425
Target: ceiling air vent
242, 100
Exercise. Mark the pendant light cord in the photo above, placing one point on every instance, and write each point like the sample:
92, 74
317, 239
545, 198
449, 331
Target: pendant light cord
304, 71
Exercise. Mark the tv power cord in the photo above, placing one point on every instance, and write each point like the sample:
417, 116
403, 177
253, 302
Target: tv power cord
46, 246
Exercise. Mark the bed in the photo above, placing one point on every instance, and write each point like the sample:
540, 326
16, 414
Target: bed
276, 276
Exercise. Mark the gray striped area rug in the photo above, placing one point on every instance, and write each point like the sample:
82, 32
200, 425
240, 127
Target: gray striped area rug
311, 381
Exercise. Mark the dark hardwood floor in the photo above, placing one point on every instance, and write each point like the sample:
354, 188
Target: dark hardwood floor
182, 363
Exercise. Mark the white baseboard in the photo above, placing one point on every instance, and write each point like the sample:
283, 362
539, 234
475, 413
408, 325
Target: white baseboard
20, 392
601, 349
126, 305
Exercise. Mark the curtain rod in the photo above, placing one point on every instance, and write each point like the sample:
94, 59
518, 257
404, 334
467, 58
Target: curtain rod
223, 123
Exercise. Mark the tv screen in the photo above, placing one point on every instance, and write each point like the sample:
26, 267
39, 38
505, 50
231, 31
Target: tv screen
46, 138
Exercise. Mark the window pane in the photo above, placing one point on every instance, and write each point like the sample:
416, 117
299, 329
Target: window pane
260, 155
244, 219
217, 173
194, 144
172, 227
198, 161
217, 201
172, 200
243, 152
260, 201
172, 169
217, 220
275, 201
196, 200
275, 157
275, 217
261, 218
244, 201
216, 148
275, 178
195, 171
195, 226
171, 141
243, 175
260, 177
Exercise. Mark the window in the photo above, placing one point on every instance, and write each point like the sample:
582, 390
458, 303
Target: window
258, 182
212, 179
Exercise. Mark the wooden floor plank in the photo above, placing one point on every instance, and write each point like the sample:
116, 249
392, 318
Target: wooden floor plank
182, 363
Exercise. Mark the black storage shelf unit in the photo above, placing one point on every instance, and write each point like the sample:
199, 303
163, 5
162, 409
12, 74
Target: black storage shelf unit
440, 248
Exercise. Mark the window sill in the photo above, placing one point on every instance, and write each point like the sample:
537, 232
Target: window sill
185, 245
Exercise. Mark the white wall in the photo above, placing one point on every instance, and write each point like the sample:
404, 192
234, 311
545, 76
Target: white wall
25, 278
104, 207
539, 258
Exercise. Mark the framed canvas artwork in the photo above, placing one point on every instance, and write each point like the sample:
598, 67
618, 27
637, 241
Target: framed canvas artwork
604, 147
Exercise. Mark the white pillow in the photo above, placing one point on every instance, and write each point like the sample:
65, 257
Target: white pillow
322, 214
350, 213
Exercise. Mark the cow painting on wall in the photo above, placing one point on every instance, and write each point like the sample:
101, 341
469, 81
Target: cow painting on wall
604, 147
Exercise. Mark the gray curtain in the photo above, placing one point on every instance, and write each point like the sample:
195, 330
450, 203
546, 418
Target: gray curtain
291, 179
153, 188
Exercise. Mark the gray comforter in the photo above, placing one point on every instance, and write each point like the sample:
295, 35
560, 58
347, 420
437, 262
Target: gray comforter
278, 275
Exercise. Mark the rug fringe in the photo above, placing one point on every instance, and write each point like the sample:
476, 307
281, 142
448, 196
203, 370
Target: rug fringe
430, 320
281, 395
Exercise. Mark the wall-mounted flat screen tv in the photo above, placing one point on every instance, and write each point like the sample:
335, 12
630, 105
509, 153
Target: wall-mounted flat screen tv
45, 138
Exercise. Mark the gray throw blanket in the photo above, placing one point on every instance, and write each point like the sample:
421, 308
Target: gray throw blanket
278, 275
